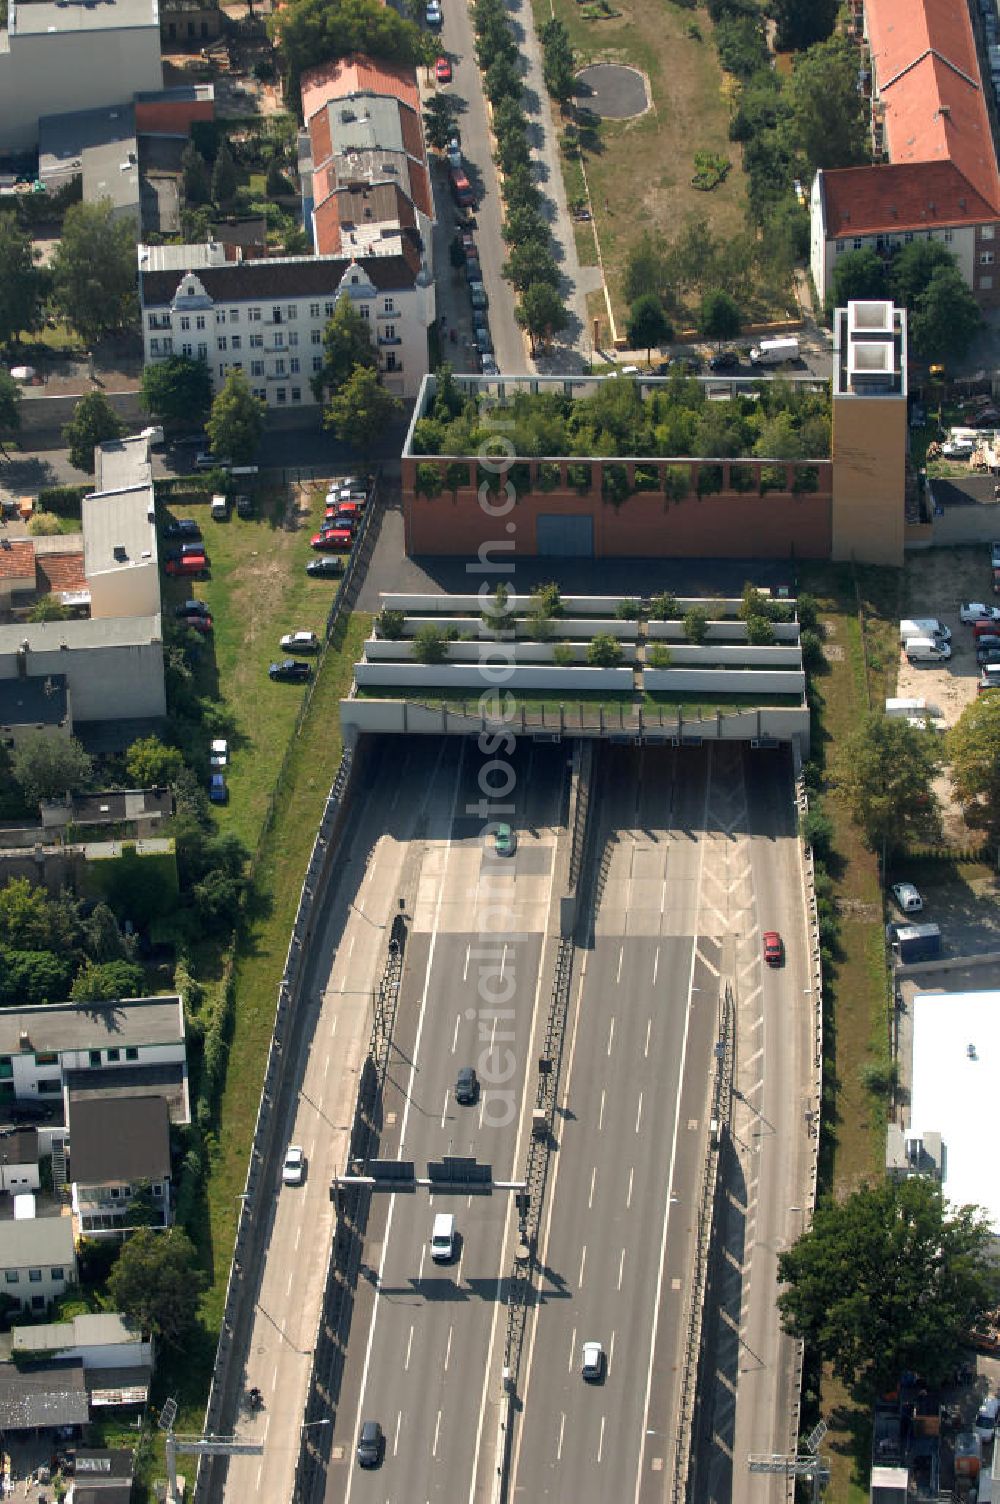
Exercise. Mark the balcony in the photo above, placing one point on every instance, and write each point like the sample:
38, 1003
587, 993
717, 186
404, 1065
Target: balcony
385, 339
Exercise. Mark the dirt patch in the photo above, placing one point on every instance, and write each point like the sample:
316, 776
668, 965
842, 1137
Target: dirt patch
937, 582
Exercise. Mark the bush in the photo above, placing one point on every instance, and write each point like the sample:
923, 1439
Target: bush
630, 610
807, 611
429, 482
880, 1077
44, 525
64, 501
578, 476
676, 482
614, 484
817, 831
604, 651
659, 655
390, 625
563, 655
696, 625
813, 657
760, 631
429, 645
646, 478
546, 600
548, 476
664, 607
456, 477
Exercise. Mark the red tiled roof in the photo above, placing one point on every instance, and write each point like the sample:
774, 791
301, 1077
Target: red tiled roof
354, 75
326, 224
319, 136
58, 572
891, 198
17, 562
930, 89
413, 136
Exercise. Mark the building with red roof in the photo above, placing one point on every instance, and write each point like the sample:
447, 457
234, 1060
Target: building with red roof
938, 179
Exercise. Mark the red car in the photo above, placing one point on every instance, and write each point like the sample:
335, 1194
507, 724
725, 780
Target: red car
774, 949
442, 70
189, 566
334, 539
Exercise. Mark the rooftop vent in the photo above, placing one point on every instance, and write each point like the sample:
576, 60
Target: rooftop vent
120, 553
24, 1040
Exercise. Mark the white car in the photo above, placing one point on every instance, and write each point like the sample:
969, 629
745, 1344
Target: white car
592, 1367
971, 611
300, 642
433, 15
219, 753
958, 449
293, 1171
907, 897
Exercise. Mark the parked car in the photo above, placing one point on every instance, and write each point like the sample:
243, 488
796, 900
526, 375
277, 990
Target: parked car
592, 1365
996, 581
455, 160
774, 948
957, 449
433, 14
293, 1170
217, 790
188, 609
972, 611
987, 656
202, 624
484, 343
218, 754
907, 897
300, 642
208, 461
489, 366
477, 292
334, 539
504, 840
442, 70
244, 506
325, 569
182, 527
290, 670
191, 566
461, 188
724, 360
371, 1441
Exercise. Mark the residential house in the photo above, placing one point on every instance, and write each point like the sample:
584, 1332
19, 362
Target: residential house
101, 1477
30, 705
19, 1155
931, 124
43, 1396
37, 1260
267, 317
119, 1151
81, 54
138, 812
103, 1340
132, 1047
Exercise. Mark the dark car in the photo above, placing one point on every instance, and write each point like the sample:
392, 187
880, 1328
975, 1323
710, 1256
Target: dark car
244, 506
289, 669
192, 608
202, 624
689, 365
325, 568
466, 1086
190, 550
988, 650
371, 1444
724, 360
183, 527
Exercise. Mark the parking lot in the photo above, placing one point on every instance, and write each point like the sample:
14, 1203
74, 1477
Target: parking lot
937, 582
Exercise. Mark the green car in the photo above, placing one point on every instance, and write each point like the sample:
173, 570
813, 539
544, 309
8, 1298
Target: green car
504, 841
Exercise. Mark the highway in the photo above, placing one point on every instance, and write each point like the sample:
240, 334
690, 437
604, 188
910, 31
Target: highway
419, 1359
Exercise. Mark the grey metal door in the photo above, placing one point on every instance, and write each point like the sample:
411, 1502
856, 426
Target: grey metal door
565, 537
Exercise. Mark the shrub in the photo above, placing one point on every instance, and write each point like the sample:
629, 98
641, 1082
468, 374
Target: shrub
742, 479
696, 625
630, 610
817, 832
44, 525
664, 607
579, 477
676, 482
614, 484
807, 611
646, 478
390, 625
805, 479
813, 657
760, 631
563, 655
709, 480
456, 477
429, 645
548, 476
429, 481
64, 501
659, 655
604, 651
546, 600
880, 1077
773, 478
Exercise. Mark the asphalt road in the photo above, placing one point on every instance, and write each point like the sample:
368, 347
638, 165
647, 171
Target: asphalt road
422, 1334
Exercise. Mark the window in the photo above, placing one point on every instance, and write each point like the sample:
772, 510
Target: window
293, 338
279, 341
256, 368
222, 371
276, 315
986, 283
202, 350
186, 350
38, 1302
237, 342
222, 342
986, 232
317, 362
157, 1188
985, 258
949, 236
260, 392
390, 306
131, 1052
234, 315
237, 365
292, 312
365, 311
34, 1276
115, 1193
314, 310
114, 1056
51, 1086
328, 309
858, 243
185, 322
253, 315
293, 365
390, 361
388, 331
316, 337
46, 1057
282, 395
168, 346
154, 347
296, 394
199, 322
220, 316
57, 1273
279, 368
12, 1277
256, 342
908, 238
95, 1058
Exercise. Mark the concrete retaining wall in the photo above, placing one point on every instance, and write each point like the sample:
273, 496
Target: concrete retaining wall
625, 631
686, 654
722, 682
426, 678
718, 631
491, 654
572, 605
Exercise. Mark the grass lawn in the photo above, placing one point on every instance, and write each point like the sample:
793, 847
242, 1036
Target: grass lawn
640, 174
859, 611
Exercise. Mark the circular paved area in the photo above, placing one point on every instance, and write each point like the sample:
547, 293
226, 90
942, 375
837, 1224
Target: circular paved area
612, 90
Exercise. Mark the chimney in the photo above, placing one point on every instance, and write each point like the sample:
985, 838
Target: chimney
22, 659
24, 1040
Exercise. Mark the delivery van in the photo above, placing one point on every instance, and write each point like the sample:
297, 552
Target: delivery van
927, 650
443, 1238
775, 352
924, 626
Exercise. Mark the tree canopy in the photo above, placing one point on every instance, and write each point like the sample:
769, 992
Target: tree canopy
975, 765
720, 315
310, 32
151, 764
946, 318
47, 766
22, 283
361, 409
10, 408
236, 421
178, 391
913, 266
801, 23
439, 120
104, 981
886, 771
890, 1279
156, 1282
94, 271
94, 422
347, 343
648, 324
857, 275
827, 110
541, 312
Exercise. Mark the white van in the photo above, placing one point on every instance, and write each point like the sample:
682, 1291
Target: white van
774, 352
924, 626
926, 650
443, 1238
986, 1420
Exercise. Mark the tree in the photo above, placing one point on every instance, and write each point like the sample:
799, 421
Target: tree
604, 651
947, 318
913, 267
151, 764
558, 70
21, 283
48, 766
801, 23
648, 324
646, 269
531, 263
541, 312
101, 982
224, 179
10, 409
197, 180
178, 391
887, 1280
315, 31
31, 920
975, 766
236, 421
430, 645
439, 121
857, 275
94, 422
347, 343
93, 271
361, 410
827, 110
719, 315
157, 1283
886, 772
48, 608
696, 625
33, 976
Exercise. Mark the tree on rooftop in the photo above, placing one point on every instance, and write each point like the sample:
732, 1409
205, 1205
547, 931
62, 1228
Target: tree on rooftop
94, 422
347, 343
22, 282
93, 271
648, 324
178, 391
236, 421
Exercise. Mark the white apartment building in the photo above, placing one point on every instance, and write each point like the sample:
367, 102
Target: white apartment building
267, 317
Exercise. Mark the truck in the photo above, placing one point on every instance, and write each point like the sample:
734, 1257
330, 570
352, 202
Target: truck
916, 942
923, 626
775, 352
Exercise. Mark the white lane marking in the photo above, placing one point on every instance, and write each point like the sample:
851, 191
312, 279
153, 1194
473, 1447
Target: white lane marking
656, 964
350, 948
444, 1110
423, 1251
638, 1116
454, 1037
572, 1351
600, 1119
628, 1197
600, 1444
437, 1433
593, 1178
395, 1439
291, 1278
333, 1026
298, 1235
611, 1352
503, 959
621, 1268
326, 1067
611, 1033
468, 953
621, 954
583, 1260
447, 1351
649, 1030
409, 1345
562, 1428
